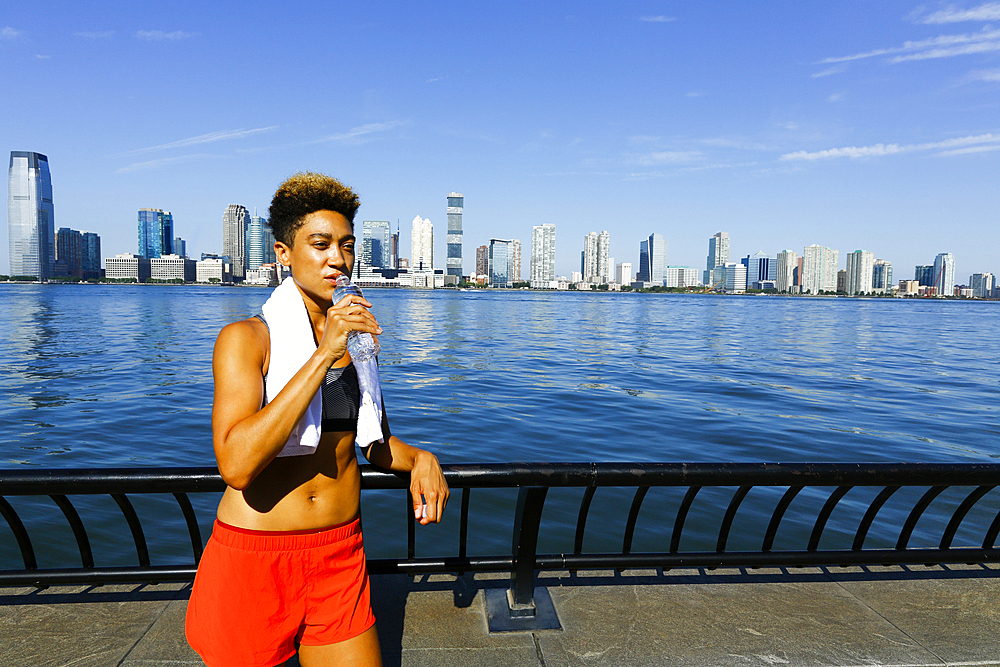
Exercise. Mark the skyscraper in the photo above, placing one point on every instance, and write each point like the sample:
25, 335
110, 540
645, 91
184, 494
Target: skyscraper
156, 233
30, 215
499, 258
819, 269
543, 255
982, 285
376, 245
588, 263
235, 221
760, 268
924, 275
718, 254
784, 275
604, 266
882, 276
91, 252
482, 260
456, 202
860, 270
653, 259
944, 274
259, 243
514, 260
69, 253
422, 245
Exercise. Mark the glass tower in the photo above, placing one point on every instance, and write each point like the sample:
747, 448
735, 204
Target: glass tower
235, 221
456, 202
376, 245
156, 233
259, 243
499, 258
30, 216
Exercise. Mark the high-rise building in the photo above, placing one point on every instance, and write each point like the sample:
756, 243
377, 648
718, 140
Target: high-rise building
156, 232
588, 260
482, 260
376, 246
456, 203
30, 215
235, 221
819, 269
90, 250
514, 260
718, 254
623, 273
394, 249
422, 245
69, 253
180, 247
860, 272
982, 285
543, 255
760, 268
603, 257
499, 259
734, 276
882, 276
944, 274
653, 260
259, 243
924, 275
842, 281
784, 274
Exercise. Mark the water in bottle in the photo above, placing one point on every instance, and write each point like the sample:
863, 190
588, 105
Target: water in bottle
360, 344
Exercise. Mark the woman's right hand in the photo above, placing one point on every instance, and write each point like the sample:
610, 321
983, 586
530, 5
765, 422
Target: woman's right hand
349, 314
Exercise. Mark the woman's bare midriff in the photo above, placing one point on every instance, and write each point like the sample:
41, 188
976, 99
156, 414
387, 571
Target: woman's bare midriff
300, 492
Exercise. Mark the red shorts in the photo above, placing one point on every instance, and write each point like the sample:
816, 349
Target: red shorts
258, 594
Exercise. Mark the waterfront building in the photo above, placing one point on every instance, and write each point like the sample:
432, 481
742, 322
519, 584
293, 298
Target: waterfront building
127, 266
422, 246
760, 268
924, 275
482, 261
680, 276
842, 281
588, 258
30, 215
909, 287
235, 221
456, 204
734, 277
652, 260
882, 276
543, 256
213, 270
376, 247
982, 285
259, 243
623, 273
819, 269
860, 272
90, 252
69, 253
155, 232
394, 248
944, 274
603, 252
718, 254
784, 272
180, 247
265, 274
515, 260
499, 263
172, 267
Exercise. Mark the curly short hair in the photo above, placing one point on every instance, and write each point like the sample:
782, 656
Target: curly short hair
304, 193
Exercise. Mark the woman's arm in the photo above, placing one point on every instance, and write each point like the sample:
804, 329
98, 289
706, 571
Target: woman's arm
245, 436
426, 478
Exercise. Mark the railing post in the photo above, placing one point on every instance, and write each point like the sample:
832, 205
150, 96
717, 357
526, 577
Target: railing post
523, 606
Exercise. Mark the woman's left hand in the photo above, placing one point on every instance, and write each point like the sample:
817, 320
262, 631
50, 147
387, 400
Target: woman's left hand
428, 488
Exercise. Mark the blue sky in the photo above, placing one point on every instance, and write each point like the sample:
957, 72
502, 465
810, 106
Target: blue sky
872, 125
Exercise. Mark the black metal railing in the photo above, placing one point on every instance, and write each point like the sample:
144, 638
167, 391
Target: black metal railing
833, 481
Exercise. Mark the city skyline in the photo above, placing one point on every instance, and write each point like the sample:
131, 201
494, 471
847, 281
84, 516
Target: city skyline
848, 127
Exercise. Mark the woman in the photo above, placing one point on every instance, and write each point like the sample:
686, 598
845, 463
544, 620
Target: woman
284, 569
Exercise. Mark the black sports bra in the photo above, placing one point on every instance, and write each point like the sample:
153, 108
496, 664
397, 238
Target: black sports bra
341, 397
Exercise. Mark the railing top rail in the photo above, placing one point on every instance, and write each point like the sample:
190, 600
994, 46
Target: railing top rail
207, 479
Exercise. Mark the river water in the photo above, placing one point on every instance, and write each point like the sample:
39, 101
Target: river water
120, 375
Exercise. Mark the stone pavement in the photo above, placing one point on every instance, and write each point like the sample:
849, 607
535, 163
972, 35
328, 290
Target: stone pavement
893, 616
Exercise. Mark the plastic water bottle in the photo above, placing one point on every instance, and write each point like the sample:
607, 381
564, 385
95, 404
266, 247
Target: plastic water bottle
360, 344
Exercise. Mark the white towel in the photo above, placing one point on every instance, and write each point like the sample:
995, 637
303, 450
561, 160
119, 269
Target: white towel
370, 412
292, 344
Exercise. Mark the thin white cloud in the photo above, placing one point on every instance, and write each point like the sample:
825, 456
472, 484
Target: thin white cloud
981, 47
694, 94
103, 34
41, 57
666, 157
827, 72
658, 19
989, 11
836, 97
203, 139
163, 36
947, 45
10, 33
360, 131
970, 144
985, 75
153, 164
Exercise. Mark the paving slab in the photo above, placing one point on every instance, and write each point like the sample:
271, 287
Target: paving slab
164, 643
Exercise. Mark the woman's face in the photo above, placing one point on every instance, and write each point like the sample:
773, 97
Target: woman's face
323, 249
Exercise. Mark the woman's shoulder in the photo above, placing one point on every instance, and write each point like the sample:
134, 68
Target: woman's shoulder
245, 337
